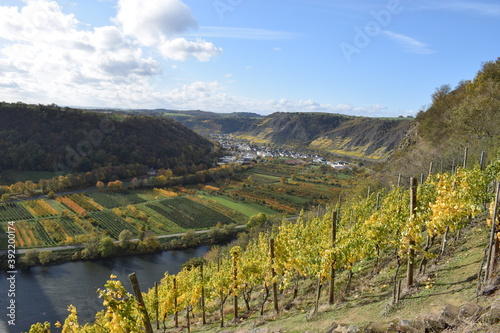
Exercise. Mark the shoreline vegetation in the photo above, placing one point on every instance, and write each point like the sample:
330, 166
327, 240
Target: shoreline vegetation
105, 248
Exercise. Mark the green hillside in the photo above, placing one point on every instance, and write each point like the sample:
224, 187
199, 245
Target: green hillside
466, 116
51, 138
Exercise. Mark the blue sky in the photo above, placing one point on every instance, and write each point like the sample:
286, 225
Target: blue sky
364, 57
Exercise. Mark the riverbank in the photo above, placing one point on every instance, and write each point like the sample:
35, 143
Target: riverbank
100, 249
44, 293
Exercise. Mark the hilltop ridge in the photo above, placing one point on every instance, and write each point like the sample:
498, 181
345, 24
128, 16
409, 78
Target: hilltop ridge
52, 138
365, 137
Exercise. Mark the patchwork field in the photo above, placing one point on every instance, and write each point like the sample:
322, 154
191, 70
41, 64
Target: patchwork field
274, 189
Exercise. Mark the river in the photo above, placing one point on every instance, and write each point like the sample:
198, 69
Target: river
44, 293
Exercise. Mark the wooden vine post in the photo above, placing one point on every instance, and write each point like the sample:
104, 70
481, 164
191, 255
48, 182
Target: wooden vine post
331, 297
483, 158
273, 275
466, 155
140, 302
411, 254
176, 315
222, 298
235, 253
157, 304
204, 317
493, 246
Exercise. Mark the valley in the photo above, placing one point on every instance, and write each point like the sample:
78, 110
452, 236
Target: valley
410, 230
275, 188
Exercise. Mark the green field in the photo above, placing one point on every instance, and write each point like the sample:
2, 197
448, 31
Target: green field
248, 209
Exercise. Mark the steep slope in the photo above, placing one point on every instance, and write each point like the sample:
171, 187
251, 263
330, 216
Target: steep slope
466, 116
358, 136
341, 134
49, 138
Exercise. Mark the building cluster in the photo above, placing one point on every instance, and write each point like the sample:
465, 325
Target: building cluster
246, 153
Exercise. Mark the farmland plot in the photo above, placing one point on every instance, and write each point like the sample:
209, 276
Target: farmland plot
13, 212
189, 214
114, 224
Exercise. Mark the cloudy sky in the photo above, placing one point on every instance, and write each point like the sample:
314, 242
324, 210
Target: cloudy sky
364, 57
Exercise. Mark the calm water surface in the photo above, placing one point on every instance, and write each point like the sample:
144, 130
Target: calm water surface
44, 293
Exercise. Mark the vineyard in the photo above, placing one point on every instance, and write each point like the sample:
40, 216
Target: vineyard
112, 200
400, 221
288, 188
44, 222
67, 218
112, 224
14, 212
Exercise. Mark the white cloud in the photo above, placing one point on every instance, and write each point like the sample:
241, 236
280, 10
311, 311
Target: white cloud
181, 49
156, 23
48, 56
51, 60
153, 22
410, 44
212, 96
39, 19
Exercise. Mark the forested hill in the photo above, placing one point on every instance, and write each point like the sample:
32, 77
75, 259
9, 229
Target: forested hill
460, 117
357, 136
51, 138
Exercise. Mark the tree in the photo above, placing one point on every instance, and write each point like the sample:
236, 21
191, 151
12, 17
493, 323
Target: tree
189, 238
99, 184
134, 183
5, 197
45, 257
167, 173
124, 238
257, 221
150, 242
30, 258
91, 249
107, 247
116, 185
283, 179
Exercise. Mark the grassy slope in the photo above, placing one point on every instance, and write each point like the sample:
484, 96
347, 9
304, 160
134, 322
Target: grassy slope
448, 280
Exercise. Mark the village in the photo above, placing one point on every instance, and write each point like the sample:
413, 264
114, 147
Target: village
243, 152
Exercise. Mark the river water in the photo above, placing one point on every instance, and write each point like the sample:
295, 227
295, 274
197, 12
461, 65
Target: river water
44, 293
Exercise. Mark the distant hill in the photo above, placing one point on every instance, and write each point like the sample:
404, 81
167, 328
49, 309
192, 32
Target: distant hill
50, 138
204, 122
349, 135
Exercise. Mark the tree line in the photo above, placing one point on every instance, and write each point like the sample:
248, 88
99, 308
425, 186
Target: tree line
52, 138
